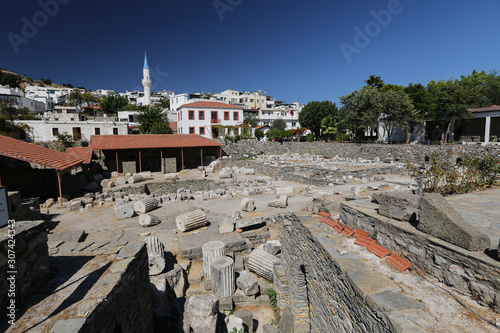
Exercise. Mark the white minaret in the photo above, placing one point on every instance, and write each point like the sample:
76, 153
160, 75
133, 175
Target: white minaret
146, 82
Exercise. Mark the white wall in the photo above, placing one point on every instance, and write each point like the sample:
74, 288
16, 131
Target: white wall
184, 123
43, 130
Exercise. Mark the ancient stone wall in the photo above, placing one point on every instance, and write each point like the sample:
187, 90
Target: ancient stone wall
30, 252
401, 153
172, 187
325, 295
471, 273
127, 304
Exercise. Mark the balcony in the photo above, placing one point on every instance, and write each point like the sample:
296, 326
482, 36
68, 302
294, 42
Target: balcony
215, 121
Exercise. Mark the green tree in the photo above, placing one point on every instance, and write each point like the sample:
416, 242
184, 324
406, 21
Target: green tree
11, 80
259, 134
8, 114
449, 100
313, 113
165, 103
421, 100
278, 135
359, 112
113, 103
251, 119
279, 124
375, 82
395, 107
75, 98
47, 82
329, 126
481, 89
151, 118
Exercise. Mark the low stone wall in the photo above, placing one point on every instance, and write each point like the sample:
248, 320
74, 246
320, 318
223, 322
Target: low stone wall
307, 175
23, 209
401, 153
471, 273
167, 187
29, 249
327, 292
127, 304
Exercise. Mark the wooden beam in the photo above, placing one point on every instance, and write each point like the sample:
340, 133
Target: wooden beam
116, 156
162, 168
201, 150
60, 188
182, 158
140, 161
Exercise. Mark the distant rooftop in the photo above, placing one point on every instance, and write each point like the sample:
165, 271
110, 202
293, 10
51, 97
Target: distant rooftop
208, 104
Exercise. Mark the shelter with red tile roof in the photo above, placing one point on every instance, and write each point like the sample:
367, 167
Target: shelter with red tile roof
152, 151
29, 168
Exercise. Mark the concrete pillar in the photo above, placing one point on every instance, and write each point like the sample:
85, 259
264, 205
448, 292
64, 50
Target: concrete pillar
487, 127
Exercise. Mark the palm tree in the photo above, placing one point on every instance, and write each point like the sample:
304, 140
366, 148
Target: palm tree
375, 81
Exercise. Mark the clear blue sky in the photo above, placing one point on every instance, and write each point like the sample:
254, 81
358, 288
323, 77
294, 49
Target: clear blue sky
289, 49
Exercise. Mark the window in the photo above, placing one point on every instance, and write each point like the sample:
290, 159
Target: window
55, 131
97, 131
293, 124
191, 130
236, 115
202, 130
213, 117
191, 115
201, 115
115, 130
226, 115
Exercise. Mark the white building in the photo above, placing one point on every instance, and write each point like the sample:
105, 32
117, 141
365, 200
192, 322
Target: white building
129, 117
17, 97
48, 95
288, 112
208, 118
46, 130
66, 113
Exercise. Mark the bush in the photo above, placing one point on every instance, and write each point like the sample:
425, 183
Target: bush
475, 171
310, 137
259, 134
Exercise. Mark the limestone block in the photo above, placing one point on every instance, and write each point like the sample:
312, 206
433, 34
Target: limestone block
191, 220
145, 175
171, 176
439, 219
226, 225
202, 305
209, 170
156, 255
268, 328
247, 283
121, 181
233, 324
236, 215
210, 251
358, 190
222, 276
247, 317
397, 205
145, 205
105, 182
136, 178
224, 174
111, 184
248, 171
114, 174
280, 202
261, 263
122, 210
288, 191
247, 205
273, 246
148, 220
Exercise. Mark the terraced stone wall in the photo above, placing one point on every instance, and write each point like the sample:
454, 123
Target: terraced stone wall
471, 273
401, 153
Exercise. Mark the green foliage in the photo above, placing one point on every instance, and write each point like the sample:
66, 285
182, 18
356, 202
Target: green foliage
395, 108
476, 171
11, 80
235, 330
259, 134
67, 85
375, 82
151, 118
273, 298
75, 98
113, 103
65, 139
165, 103
329, 126
47, 82
251, 119
313, 113
278, 135
161, 128
310, 137
278, 124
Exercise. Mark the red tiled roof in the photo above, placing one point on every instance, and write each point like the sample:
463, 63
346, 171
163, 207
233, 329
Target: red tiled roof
491, 108
32, 153
261, 126
82, 153
143, 141
209, 104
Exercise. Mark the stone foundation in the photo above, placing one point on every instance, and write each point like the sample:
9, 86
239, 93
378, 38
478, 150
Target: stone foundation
470, 273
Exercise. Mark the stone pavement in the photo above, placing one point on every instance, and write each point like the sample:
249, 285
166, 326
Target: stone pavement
482, 210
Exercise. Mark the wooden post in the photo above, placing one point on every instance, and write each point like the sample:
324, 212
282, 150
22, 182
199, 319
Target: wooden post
140, 161
182, 158
117, 170
220, 154
0, 180
60, 188
201, 150
162, 168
